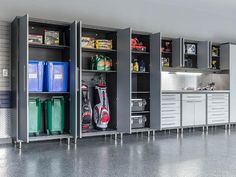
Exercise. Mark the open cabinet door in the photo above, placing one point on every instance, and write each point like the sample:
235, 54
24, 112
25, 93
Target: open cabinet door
155, 80
23, 110
79, 73
203, 55
177, 58
124, 81
73, 79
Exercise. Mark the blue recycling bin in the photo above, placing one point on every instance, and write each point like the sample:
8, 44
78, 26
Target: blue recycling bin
35, 75
56, 76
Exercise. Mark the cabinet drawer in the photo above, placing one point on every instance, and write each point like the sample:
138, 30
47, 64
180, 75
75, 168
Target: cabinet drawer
218, 96
217, 102
170, 97
170, 121
193, 97
170, 103
218, 120
218, 108
170, 125
172, 112
217, 114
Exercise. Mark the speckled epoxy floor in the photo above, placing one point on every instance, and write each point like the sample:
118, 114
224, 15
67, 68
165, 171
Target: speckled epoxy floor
193, 155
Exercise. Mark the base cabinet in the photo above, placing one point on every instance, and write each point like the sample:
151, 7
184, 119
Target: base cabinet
170, 111
217, 109
193, 110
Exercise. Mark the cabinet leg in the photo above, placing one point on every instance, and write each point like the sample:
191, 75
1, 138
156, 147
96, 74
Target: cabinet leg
203, 129
20, 145
182, 130
75, 141
226, 127
115, 136
148, 133
153, 133
121, 136
177, 131
68, 141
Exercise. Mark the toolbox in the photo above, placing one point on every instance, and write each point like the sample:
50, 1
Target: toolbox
138, 104
138, 121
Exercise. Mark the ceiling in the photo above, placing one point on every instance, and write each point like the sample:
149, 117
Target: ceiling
198, 19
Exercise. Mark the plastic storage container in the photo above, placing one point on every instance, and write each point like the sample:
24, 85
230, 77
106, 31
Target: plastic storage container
56, 76
138, 121
138, 104
55, 114
35, 110
35, 75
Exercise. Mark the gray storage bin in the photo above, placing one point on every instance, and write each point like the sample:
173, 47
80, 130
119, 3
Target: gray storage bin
138, 121
138, 104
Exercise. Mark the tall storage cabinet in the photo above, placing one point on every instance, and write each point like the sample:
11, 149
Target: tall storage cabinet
22, 52
135, 84
91, 76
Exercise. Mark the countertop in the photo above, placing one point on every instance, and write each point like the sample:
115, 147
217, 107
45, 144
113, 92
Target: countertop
195, 91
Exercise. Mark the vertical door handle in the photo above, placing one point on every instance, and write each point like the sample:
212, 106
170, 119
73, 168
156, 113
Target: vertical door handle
24, 79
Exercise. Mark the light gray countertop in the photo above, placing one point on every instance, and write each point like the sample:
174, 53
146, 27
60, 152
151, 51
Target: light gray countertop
195, 91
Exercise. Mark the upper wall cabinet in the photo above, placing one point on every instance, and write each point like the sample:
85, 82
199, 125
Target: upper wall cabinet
195, 54
171, 52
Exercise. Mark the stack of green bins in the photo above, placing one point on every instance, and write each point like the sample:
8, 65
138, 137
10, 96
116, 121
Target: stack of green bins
55, 108
35, 109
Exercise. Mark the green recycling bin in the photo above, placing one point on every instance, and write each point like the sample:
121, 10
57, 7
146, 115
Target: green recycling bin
35, 110
55, 113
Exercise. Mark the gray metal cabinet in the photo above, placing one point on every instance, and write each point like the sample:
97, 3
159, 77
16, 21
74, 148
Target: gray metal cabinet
170, 111
22, 51
133, 85
217, 108
193, 110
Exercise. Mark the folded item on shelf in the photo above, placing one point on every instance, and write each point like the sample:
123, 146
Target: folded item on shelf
88, 42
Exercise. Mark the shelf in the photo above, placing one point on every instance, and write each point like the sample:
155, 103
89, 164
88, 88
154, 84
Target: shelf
140, 112
49, 137
133, 72
215, 56
136, 130
98, 50
140, 92
166, 53
140, 52
95, 132
49, 93
190, 54
96, 71
45, 46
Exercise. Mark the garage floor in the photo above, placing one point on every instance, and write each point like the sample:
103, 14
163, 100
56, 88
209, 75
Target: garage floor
193, 155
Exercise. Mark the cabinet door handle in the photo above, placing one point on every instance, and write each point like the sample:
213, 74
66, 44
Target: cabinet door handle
24, 79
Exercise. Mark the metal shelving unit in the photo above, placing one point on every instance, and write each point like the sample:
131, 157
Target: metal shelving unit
22, 51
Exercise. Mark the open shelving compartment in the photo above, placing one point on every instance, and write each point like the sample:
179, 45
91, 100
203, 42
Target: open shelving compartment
91, 77
214, 62
138, 84
23, 53
141, 79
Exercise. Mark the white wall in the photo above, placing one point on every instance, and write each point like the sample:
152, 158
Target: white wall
196, 19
